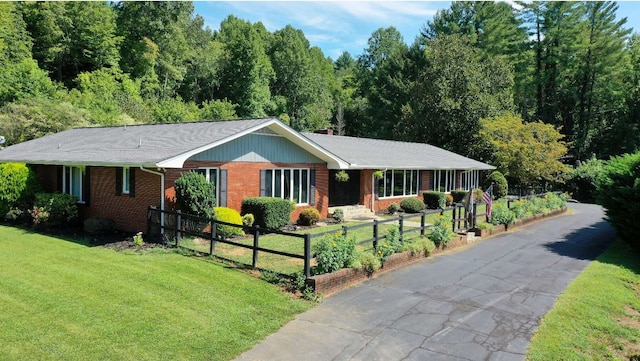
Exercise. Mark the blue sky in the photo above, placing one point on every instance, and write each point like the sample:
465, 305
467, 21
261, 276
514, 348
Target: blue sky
347, 25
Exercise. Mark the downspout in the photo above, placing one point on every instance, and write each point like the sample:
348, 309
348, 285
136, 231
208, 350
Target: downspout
161, 194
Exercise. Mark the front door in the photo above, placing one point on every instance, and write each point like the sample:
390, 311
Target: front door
344, 193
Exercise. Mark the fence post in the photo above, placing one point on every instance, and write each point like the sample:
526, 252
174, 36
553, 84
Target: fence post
453, 219
423, 221
375, 233
256, 237
307, 255
401, 227
475, 215
179, 226
344, 231
466, 218
214, 235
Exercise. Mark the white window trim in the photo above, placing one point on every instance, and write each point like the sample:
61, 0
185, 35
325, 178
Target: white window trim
307, 186
471, 179
449, 183
207, 175
71, 180
415, 186
126, 181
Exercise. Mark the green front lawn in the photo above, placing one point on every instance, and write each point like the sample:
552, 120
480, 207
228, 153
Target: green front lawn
598, 315
61, 300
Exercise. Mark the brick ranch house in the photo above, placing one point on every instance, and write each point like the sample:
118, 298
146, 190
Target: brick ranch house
117, 172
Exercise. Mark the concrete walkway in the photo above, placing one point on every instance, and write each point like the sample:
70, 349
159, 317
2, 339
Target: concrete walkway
480, 303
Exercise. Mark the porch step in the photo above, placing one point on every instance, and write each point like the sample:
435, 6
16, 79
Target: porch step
354, 212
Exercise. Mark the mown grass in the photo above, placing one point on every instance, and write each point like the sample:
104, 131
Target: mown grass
62, 300
598, 315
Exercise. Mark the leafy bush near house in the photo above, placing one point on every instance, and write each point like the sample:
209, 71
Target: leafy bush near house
434, 200
500, 185
308, 217
581, 182
99, 225
228, 215
619, 192
412, 205
441, 232
268, 212
18, 186
458, 196
501, 214
195, 195
248, 219
393, 208
55, 209
420, 246
370, 262
333, 252
338, 215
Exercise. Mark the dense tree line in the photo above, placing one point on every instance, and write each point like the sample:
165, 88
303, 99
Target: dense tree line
570, 65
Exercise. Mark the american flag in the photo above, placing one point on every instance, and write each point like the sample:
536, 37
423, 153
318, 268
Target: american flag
487, 198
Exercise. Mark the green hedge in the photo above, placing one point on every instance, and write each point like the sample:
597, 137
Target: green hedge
458, 196
434, 200
269, 212
18, 186
195, 195
412, 205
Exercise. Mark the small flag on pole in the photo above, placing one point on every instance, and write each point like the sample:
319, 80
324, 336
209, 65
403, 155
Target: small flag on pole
487, 198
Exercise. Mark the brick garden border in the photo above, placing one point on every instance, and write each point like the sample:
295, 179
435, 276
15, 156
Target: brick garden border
329, 283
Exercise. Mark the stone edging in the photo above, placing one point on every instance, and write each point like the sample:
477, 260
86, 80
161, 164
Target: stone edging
332, 282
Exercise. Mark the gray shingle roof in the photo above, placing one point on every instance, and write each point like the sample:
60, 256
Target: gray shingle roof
365, 153
146, 145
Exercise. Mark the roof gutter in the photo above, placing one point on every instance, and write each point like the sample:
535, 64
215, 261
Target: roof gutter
161, 195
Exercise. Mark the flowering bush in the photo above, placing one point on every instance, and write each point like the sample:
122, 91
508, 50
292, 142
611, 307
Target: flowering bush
441, 232
14, 214
333, 252
39, 215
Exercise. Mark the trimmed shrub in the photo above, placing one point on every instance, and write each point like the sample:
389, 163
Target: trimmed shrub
18, 186
195, 195
338, 215
412, 205
268, 212
393, 208
499, 182
228, 215
308, 217
619, 192
333, 252
434, 200
501, 214
99, 225
420, 246
55, 209
458, 196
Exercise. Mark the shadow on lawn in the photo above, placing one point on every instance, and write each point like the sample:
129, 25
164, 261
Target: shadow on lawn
73, 234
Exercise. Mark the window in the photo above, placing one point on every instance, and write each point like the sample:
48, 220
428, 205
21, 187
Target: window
211, 174
292, 184
444, 180
470, 180
72, 182
126, 180
398, 183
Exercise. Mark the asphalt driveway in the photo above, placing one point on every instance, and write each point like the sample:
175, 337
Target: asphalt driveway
482, 302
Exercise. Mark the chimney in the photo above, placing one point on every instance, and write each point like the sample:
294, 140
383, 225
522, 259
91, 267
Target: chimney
327, 131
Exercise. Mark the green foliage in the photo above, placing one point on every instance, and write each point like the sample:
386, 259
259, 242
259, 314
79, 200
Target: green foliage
619, 192
420, 246
554, 202
55, 209
308, 217
370, 262
581, 181
393, 208
501, 214
195, 195
99, 225
390, 244
412, 205
342, 176
174, 110
458, 196
441, 232
218, 110
228, 215
338, 215
269, 212
434, 200
248, 219
333, 252
527, 153
138, 240
18, 186
500, 185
